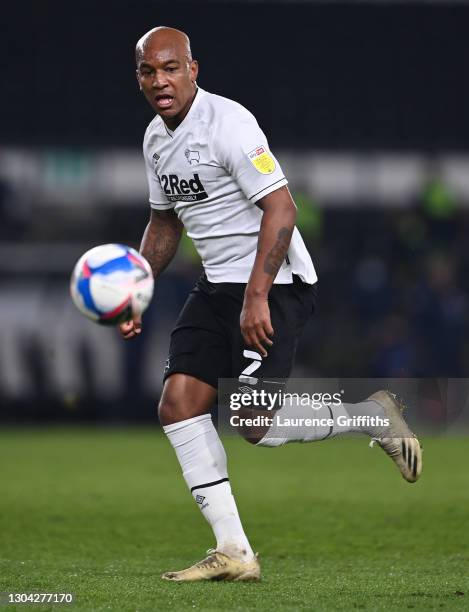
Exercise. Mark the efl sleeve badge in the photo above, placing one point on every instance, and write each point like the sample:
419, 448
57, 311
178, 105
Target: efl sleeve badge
262, 160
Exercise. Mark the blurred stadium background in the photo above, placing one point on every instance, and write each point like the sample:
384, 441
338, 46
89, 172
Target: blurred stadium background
365, 105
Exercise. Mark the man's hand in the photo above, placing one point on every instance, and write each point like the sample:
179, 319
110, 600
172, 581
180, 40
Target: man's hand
255, 323
131, 328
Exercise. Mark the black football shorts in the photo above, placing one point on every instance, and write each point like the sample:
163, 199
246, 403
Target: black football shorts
207, 344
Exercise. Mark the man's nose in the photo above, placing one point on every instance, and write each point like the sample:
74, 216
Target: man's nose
159, 80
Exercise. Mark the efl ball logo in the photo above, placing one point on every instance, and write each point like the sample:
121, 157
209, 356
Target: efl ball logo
111, 284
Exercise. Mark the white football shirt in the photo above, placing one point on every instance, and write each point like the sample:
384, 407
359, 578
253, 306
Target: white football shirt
211, 170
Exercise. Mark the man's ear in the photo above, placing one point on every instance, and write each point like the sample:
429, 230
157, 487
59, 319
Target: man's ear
194, 70
138, 80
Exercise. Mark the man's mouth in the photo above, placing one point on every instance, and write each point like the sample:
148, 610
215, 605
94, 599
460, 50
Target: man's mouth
164, 100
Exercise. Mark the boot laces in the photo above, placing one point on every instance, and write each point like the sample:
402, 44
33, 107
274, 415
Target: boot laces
213, 560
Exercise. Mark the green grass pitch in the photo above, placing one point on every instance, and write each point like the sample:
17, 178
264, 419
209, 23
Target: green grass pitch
101, 513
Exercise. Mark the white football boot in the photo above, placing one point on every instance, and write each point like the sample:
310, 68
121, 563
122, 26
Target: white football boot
218, 566
397, 440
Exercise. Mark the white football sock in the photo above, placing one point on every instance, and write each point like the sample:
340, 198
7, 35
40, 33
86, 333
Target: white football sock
345, 418
203, 462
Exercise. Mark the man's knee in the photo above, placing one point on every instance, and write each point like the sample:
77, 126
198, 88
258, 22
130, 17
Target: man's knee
249, 438
252, 433
172, 410
184, 397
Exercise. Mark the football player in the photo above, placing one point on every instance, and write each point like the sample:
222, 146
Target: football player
210, 170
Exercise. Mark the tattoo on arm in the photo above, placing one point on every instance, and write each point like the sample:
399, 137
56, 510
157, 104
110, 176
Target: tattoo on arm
276, 255
160, 243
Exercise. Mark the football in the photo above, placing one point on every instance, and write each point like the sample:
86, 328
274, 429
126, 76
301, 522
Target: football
111, 284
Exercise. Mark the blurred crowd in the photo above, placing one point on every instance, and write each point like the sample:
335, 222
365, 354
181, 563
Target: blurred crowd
392, 291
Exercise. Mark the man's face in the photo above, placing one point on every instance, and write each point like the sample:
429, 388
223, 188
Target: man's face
167, 77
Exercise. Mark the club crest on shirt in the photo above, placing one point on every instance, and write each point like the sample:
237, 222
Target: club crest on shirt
262, 160
193, 157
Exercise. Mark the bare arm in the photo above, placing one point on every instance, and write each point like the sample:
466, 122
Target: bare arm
159, 245
161, 239
278, 223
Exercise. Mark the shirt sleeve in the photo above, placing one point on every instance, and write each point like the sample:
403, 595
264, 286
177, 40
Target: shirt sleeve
157, 196
242, 148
